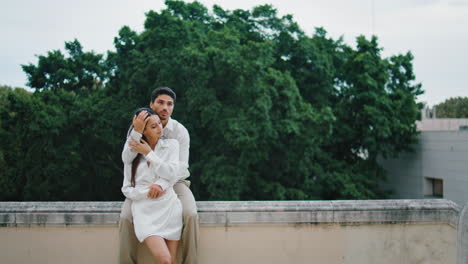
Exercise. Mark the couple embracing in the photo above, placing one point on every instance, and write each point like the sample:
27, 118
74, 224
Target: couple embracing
159, 209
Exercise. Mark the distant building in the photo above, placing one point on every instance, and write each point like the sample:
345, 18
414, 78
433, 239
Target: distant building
438, 167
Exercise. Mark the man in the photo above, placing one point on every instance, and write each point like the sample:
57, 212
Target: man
162, 102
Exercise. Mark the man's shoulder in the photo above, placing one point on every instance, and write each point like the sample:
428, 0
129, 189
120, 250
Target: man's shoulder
177, 126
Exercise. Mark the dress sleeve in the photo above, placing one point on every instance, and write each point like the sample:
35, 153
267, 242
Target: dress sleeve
132, 193
166, 169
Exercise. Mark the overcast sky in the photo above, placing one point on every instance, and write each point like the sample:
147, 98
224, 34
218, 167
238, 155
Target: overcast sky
435, 31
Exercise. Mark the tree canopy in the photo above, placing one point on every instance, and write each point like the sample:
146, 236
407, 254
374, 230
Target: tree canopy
456, 107
273, 113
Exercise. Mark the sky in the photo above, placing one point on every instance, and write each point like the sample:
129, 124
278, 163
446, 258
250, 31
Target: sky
435, 31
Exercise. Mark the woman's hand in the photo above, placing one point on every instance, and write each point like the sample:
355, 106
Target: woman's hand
139, 147
155, 191
139, 121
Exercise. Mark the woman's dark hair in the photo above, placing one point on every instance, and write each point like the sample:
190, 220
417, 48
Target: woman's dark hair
136, 161
138, 111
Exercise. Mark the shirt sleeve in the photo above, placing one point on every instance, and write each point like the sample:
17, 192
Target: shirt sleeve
127, 155
184, 147
166, 169
132, 193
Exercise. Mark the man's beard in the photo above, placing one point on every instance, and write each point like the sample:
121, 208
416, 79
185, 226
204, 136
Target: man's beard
163, 118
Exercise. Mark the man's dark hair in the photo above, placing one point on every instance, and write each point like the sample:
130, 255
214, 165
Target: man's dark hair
163, 90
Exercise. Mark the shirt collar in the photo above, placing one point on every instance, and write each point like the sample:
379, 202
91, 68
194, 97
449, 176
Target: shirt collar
170, 124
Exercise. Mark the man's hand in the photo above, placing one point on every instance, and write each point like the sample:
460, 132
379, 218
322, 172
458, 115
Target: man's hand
139, 121
155, 191
139, 147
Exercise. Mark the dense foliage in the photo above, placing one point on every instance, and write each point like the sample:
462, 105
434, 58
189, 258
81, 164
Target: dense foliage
272, 113
456, 107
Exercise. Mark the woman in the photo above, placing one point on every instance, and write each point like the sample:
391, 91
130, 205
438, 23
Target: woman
149, 160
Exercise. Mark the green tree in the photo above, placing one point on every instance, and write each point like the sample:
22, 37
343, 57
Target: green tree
229, 94
456, 107
376, 113
272, 112
58, 146
79, 71
12, 113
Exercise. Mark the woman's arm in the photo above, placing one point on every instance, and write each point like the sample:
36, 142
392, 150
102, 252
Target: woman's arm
128, 190
166, 169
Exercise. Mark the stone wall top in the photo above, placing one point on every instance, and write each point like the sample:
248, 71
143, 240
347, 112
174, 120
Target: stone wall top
225, 213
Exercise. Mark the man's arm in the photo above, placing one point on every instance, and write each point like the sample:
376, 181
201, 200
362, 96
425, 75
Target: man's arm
127, 155
139, 123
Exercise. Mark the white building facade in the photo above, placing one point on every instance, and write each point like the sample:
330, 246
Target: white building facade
438, 167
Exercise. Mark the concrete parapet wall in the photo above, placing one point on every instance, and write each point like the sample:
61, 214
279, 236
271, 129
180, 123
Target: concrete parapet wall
378, 231
462, 240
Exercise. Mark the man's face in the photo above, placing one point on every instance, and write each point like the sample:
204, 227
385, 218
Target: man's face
163, 105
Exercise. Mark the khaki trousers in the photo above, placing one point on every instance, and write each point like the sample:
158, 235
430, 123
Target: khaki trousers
188, 246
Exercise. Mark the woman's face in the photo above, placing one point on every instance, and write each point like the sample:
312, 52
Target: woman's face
153, 129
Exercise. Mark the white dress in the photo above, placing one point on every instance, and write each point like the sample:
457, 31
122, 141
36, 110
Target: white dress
155, 217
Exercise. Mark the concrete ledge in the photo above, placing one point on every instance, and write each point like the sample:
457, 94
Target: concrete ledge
273, 232
462, 237
242, 213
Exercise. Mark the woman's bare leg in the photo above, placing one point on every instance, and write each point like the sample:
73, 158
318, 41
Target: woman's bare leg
172, 246
159, 249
